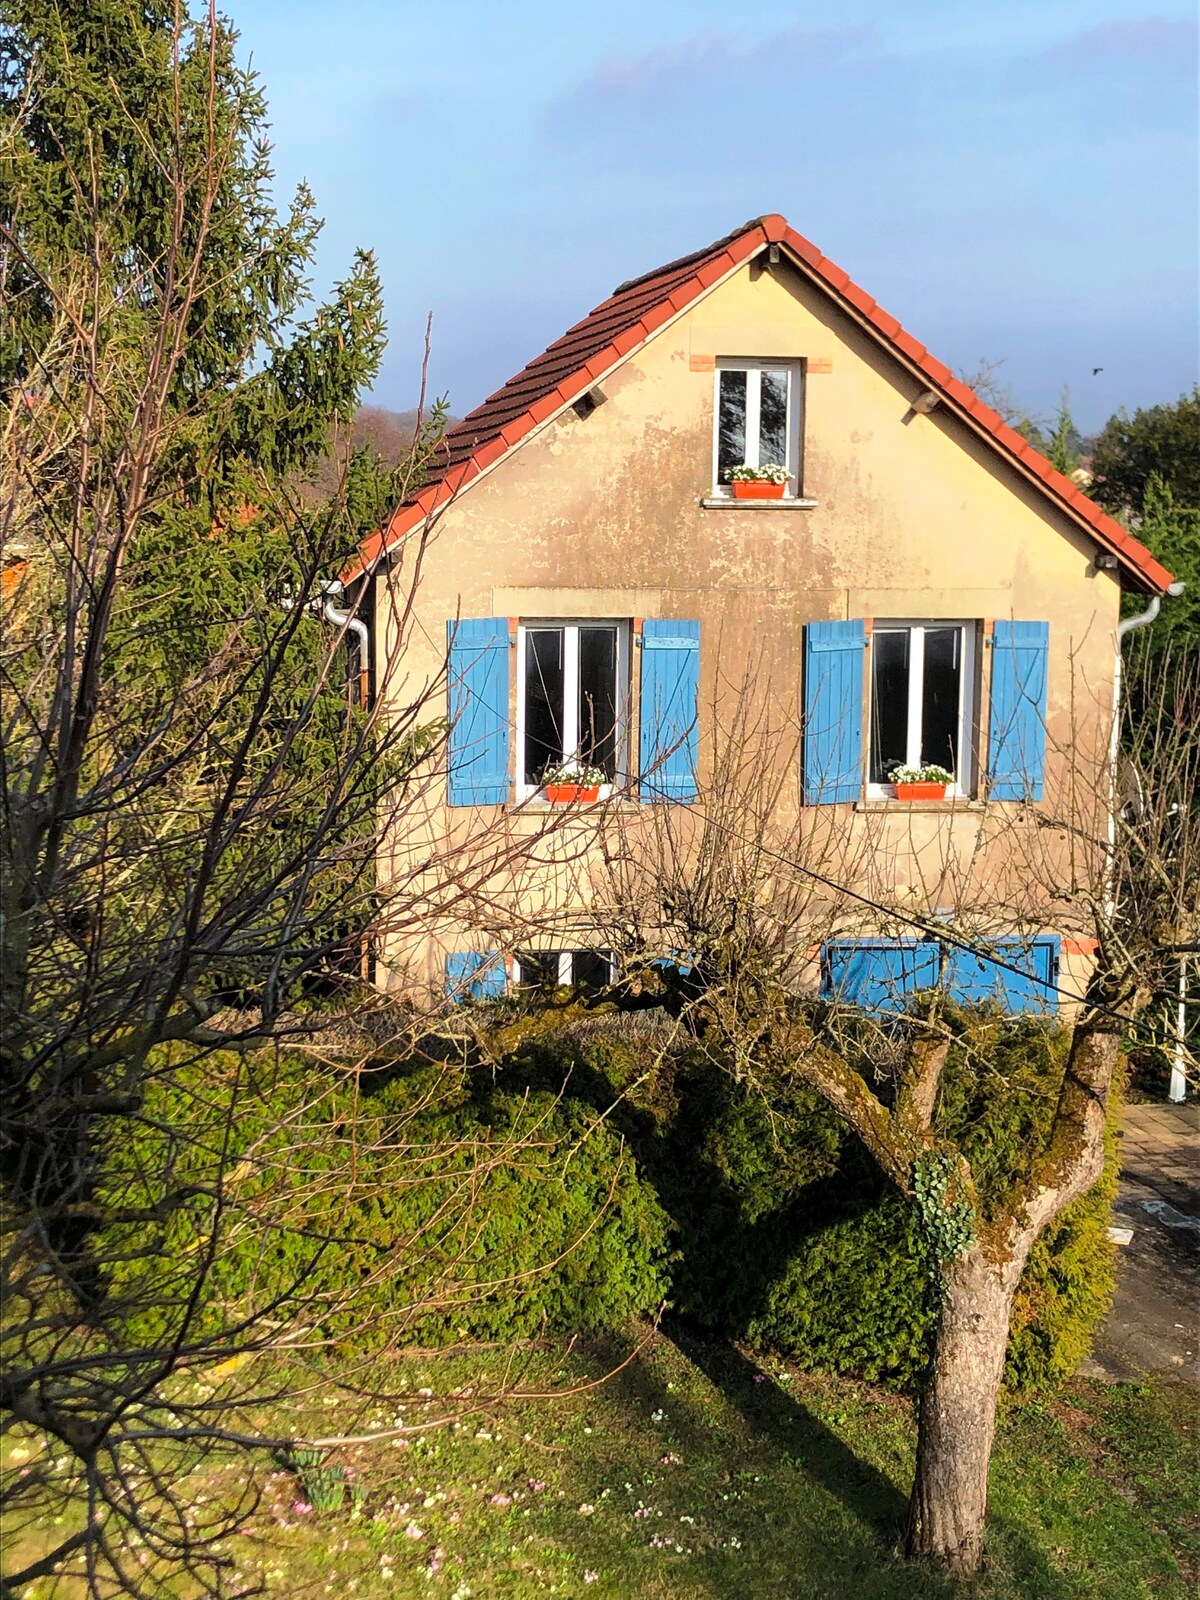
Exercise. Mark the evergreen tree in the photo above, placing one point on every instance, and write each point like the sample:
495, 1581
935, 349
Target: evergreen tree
1161, 442
191, 805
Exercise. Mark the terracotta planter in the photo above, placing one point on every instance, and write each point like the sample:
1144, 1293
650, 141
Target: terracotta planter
920, 791
562, 794
757, 489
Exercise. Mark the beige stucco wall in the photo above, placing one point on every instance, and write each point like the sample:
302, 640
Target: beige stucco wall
914, 517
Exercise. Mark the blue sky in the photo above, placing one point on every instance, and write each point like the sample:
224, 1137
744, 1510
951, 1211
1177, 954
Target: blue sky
1014, 180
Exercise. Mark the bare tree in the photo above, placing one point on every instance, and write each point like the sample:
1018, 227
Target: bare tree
194, 806
730, 904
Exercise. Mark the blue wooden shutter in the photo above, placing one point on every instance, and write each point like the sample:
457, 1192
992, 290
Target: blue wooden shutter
471, 975
878, 974
1017, 731
833, 711
478, 684
670, 710
972, 979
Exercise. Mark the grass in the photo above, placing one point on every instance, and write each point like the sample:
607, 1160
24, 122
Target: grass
696, 1474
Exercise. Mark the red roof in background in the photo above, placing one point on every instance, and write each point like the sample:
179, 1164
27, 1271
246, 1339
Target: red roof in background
636, 310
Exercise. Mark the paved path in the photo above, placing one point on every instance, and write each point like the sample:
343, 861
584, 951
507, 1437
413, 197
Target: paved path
1154, 1324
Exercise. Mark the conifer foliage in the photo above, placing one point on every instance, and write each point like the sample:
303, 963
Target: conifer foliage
191, 794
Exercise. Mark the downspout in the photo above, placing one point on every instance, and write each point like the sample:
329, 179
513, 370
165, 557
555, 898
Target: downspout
331, 593
1143, 619
1178, 1088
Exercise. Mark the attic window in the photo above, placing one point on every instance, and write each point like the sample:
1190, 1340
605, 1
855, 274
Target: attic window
758, 419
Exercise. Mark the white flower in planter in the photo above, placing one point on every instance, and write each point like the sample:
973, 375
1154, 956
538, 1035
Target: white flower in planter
575, 773
929, 774
748, 474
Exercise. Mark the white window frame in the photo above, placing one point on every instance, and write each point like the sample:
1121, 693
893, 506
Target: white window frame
571, 627
566, 966
753, 368
963, 786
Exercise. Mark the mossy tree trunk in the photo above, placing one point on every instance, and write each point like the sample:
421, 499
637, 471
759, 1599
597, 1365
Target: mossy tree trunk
958, 1403
957, 1419
948, 1507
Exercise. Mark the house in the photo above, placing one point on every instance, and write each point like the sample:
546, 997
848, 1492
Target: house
925, 589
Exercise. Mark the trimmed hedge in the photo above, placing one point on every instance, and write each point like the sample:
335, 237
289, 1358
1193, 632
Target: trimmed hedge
416, 1212
788, 1236
590, 1176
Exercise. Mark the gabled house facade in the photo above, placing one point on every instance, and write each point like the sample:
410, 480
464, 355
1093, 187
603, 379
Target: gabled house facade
924, 589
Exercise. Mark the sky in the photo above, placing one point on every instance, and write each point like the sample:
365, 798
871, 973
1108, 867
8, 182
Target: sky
1016, 182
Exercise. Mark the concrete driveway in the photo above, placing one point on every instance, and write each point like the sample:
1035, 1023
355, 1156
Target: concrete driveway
1154, 1324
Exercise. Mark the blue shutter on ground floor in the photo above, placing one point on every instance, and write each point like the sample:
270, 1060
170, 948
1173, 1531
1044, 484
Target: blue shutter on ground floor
472, 975
973, 979
477, 674
1017, 716
833, 711
880, 975
670, 709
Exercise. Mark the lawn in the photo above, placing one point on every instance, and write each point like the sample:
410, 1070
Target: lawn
695, 1473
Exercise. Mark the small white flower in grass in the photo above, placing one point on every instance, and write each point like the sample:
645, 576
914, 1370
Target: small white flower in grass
413, 1532
657, 1416
590, 1577
586, 1509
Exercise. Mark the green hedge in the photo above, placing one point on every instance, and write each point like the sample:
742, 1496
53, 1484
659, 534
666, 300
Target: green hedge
787, 1235
586, 1179
415, 1213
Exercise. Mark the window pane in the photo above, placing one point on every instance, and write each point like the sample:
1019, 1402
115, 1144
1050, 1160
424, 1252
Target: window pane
940, 700
590, 969
598, 699
539, 969
731, 424
772, 420
543, 701
889, 702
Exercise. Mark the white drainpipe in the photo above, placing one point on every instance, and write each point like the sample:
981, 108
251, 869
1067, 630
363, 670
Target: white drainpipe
1178, 1088
331, 593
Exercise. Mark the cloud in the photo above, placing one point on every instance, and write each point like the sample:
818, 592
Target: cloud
716, 55
1156, 42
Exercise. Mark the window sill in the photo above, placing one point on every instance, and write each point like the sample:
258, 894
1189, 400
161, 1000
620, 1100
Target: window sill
578, 808
726, 502
950, 804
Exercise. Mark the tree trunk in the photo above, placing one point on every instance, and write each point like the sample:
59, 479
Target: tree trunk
958, 1414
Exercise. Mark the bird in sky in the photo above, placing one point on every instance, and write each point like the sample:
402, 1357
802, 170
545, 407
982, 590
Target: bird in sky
1095, 370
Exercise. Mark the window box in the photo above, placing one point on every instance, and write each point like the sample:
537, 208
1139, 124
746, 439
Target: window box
920, 791
564, 794
756, 489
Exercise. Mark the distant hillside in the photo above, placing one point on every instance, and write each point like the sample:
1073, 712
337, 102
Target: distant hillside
388, 432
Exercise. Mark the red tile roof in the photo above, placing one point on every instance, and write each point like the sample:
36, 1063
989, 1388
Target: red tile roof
636, 310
